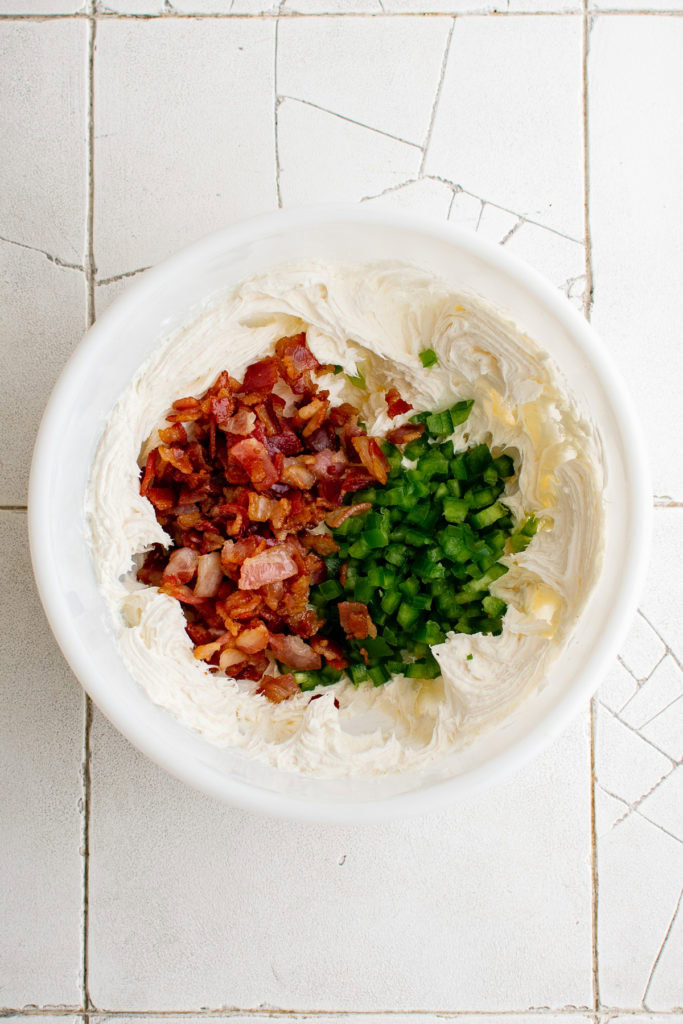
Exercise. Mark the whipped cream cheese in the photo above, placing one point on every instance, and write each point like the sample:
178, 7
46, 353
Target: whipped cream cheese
375, 317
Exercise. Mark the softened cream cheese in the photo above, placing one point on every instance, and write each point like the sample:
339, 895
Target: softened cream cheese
376, 318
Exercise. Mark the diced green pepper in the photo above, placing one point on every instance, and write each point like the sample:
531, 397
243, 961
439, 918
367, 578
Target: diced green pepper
428, 358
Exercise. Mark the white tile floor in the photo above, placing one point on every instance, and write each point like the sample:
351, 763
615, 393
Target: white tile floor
128, 130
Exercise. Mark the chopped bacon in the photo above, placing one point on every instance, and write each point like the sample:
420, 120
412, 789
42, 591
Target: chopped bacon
235, 552
297, 475
355, 620
175, 434
322, 543
294, 357
148, 475
260, 508
253, 640
396, 405
162, 498
328, 465
272, 594
254, 458
408, 432
330, 651
230, 658
243, 422
372, 457
341, 414
181, 593
355, 478
261, 376
204, 652
278, 688
286, 442
294, 652
182, 566
271, 565
209, 575
340, 515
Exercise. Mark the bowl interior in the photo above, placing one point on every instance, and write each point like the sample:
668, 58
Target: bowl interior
165, 298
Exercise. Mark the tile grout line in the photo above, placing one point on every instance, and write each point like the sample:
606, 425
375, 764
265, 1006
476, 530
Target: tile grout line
276, 107
294, 15
259, 1013
91, 272
588, 309
435, 106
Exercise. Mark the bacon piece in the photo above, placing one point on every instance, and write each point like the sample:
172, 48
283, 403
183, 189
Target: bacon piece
372, 457
261, 376
230, 658
294, 652
355, 620
286, 442
175, 434
340, 515
321, 543
182, 566
295, 358
396, 405
241, 605
254, 458
235, 552
162, 498
328, 464
280, 513
278, 688
243, 422
295, 601
181, 593
341, 414
408, 432
148, 475
260, 508
297, 475
253, 640
272, 594
355, 478
209, 575
271, 565
204, 652
177, 457
313, 414
330, 651
220, 408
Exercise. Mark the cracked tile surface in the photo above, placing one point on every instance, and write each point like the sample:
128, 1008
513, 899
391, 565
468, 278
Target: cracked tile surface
199, 121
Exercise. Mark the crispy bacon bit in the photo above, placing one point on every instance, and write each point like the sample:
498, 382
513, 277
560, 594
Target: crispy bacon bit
294, 652
256, 461
230, 659
321, 543
372, 457
148, 475
243, 422
175, 434
408, 432
355, 478
294, 357
340, 515
261, 376
181, 593
396, 405
240, 605
182, 566
260, 508
235, 552
278, 688
355, 620
273, 564
253, 640
162, 498
330, 651
297, 475
209, 575
176, 456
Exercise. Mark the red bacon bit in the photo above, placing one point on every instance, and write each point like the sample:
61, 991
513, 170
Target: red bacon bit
355, 620
330, 651
294, 652
270, 566
340, 515
396, 405
408, 432
162, 498
256, 461
150, 470
295, 358
278, 688
253, 640
321, 543
355, 478
372, 457
209, 575
243, 422
182, 566
261, 376
296, 474
175, 434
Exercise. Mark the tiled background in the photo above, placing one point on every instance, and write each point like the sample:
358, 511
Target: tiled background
130, 129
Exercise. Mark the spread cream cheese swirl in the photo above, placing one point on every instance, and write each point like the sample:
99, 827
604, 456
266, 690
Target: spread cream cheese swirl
376, 318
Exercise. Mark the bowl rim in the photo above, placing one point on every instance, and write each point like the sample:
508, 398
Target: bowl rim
227, 788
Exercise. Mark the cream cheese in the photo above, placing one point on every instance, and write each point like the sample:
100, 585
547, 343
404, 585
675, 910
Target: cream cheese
376, 317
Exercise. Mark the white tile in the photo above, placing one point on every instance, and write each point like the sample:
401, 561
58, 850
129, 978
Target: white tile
665, 805
325, 158
664, 686
629, 5
664, 989
43, 6
639, 883
109, 289
175, 155
625, 765
558, 6
560, 259
509, 123
194, 904
43, 135
442, 6
41, 738
609, 811
663, 597
380, 72
666, 730
643, 649
636, 165
42, 317
618, 687
466, 211
426, 196
332, 6
495, 224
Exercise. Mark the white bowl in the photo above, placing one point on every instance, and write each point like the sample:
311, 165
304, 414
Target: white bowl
165, 297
